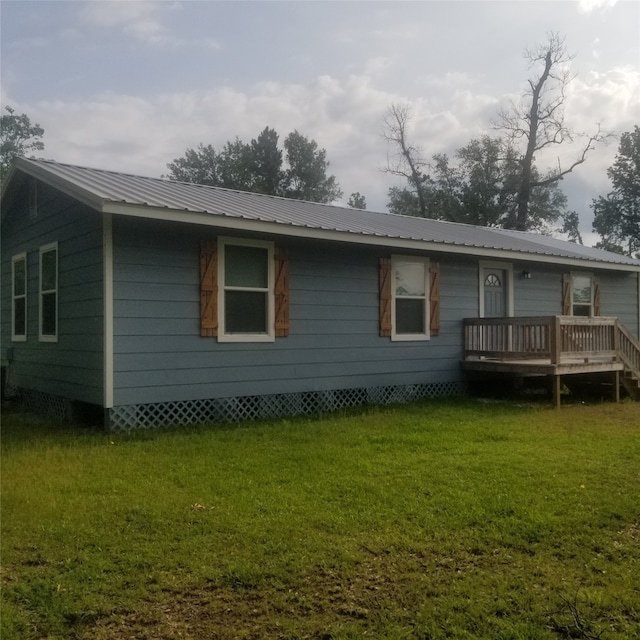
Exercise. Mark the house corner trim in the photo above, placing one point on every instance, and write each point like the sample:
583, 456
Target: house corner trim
107, 279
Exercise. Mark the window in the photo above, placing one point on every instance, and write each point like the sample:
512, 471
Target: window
49, 292
19, 297
410, 298
581, 295
246, 290
493, 280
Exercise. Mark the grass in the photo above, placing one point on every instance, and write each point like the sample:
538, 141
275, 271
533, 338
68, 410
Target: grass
436, 520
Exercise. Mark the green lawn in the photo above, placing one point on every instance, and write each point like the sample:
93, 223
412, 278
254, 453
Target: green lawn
437, 520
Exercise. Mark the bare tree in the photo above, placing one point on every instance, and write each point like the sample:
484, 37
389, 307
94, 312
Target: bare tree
406, 160
538, 121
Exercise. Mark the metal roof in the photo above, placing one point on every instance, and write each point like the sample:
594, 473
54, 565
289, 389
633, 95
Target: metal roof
110, 191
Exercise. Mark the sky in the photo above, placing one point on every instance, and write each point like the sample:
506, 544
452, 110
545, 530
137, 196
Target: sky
129, 86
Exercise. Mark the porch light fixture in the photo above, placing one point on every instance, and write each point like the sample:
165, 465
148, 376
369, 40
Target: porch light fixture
526, 275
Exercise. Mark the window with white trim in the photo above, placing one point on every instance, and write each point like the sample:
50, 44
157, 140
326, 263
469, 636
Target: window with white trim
19, 298
410, 298
581, 294
49, 292
246, 290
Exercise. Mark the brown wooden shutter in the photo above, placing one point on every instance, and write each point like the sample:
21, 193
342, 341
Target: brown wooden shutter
281, 293
208, 288
385, 297
596, 296
434, 298
566, 294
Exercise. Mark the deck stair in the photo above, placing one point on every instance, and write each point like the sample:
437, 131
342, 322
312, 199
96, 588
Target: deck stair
554, 346
628, 350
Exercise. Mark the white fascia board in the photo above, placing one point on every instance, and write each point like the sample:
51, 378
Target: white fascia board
44, 174
237, 223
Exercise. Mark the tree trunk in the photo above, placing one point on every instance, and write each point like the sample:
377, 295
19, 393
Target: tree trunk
524, 192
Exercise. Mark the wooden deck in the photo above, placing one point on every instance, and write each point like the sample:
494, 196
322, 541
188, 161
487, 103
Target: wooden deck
554, 346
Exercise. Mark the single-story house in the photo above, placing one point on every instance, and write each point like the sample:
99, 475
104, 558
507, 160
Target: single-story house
159, 302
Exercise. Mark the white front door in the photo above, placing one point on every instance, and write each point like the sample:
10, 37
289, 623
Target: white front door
495, 292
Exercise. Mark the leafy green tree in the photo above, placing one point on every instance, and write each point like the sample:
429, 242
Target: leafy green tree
357, 201
617, 215
404, 202
267, 163
306, 178
236, 166
571, 226
198, 165
480, 187
258, 167
18, 137
488, 168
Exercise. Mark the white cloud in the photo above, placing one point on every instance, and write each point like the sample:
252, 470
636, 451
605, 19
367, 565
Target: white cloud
587, 6
116, 13
378, 66
610, 100
30, 43
144, 21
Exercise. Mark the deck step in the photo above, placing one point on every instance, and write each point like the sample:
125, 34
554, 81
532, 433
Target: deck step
631, 377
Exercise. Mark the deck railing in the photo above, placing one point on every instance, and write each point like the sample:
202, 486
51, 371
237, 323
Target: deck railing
556, 339
545, 337
507, 338
628, 350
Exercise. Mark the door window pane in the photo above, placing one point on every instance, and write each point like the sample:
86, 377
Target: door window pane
492, 280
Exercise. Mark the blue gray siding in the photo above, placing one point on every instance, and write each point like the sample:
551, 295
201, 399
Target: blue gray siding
542, 294
619, 297
334, 343
334, 340
72, 366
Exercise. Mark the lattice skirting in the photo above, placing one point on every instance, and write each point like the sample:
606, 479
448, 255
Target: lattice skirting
151, 416
55, 407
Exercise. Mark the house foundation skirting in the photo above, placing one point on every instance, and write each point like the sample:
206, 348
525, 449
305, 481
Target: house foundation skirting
191, 412
184, 413
55, 407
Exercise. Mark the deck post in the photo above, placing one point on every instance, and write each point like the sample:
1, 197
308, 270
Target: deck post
557, 389
616, 386
555, 341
